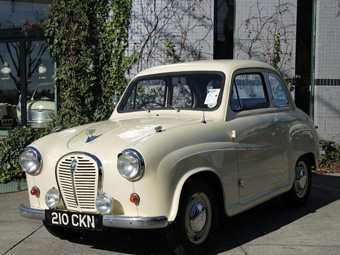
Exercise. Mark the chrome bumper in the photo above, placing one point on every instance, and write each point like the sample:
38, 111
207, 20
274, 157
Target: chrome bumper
108, 220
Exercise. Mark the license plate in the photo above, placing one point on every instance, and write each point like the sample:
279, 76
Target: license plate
74, 220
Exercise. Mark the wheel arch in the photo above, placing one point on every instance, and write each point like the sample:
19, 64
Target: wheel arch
208, 176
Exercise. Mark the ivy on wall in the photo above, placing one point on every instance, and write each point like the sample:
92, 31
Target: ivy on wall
87, 41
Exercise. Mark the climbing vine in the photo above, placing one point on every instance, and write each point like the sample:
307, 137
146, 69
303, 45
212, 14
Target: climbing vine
87, 41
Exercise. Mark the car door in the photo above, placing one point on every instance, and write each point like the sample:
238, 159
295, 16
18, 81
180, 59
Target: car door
255, 134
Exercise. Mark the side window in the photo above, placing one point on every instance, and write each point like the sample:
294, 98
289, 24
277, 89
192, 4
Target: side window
279, 93
248, 92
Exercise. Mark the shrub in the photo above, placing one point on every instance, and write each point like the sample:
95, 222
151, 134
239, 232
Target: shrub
10, 148
331, 157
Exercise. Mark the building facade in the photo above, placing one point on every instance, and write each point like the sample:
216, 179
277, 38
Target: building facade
25, 65
306, 34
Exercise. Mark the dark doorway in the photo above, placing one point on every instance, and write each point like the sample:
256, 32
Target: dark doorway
224, 29
303, 54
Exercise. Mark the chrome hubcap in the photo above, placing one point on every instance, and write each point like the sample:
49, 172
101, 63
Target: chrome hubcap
301, 183
301, 178
198, 218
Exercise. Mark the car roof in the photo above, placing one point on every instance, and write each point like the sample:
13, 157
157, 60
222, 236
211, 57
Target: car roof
226, 66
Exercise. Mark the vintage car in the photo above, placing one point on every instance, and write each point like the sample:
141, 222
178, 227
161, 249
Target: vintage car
40, 107
186, 144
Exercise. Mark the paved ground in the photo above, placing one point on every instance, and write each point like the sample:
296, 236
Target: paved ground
269, 229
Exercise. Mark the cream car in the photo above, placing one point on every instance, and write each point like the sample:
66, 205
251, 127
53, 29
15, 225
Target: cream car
41, 106
186, 143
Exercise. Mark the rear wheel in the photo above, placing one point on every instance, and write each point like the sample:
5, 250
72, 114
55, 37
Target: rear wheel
196, 223
299, 193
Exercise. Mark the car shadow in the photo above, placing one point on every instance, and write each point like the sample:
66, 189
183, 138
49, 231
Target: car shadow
234, 231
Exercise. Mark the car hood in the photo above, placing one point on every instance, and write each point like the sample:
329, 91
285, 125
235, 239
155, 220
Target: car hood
122, 133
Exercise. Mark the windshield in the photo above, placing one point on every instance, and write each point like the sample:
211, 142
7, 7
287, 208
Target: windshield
174, 91
44, 92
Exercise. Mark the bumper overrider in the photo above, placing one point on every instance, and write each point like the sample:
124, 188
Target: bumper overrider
109, 221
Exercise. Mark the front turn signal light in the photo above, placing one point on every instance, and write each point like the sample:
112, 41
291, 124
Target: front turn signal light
134, 198
35, 191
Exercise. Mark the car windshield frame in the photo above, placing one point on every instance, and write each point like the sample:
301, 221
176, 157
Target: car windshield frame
187, 90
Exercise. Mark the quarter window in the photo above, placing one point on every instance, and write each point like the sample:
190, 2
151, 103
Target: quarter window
248, 92
279, 93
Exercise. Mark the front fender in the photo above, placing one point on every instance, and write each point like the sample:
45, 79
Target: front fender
162, 192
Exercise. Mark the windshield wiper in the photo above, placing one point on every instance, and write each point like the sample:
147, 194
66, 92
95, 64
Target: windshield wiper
173, 107
145, 109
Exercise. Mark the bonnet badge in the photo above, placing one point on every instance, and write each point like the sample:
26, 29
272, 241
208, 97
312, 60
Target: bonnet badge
90, 136
73, 165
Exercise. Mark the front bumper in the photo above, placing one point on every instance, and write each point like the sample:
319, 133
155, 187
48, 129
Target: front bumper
108, 220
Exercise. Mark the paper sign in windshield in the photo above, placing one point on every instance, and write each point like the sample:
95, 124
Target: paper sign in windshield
211, 98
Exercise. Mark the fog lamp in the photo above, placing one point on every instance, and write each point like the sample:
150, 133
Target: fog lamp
104, 203
52, 198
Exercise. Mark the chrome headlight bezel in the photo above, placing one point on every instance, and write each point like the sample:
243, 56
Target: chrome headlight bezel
130, 164
30, 161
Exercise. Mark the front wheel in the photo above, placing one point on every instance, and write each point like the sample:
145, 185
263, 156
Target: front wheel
299, 193
196, 223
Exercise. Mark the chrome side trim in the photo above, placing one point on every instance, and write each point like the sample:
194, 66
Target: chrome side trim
135, 222
108, 220
32, 213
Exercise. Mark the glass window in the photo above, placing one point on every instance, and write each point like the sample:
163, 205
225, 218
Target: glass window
37, 84
248, 92
174, 91
13, 11
147, 94
279, 93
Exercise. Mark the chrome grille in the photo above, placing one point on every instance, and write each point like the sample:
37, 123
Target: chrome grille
79, 177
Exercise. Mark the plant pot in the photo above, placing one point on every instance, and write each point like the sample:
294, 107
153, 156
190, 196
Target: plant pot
13, 186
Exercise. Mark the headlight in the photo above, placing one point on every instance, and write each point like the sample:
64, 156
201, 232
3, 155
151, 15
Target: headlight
30, 161
104, 203
52, 198
130, 164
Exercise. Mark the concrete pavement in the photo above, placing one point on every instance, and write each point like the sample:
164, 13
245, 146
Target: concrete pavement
271, 228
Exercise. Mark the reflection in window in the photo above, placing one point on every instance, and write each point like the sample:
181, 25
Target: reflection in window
248, 92
174, 91
13, 11
279, 93
182, 96
147, 94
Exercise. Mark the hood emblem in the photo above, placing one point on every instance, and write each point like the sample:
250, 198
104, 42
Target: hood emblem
90, 136
73, 165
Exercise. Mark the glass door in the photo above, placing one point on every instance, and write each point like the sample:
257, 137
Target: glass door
26, 88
